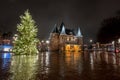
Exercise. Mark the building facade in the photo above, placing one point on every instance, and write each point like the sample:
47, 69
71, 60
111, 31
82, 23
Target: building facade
64, 39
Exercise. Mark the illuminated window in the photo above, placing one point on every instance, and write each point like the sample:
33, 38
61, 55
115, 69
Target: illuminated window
67, 38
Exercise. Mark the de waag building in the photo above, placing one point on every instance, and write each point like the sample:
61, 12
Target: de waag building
63, 39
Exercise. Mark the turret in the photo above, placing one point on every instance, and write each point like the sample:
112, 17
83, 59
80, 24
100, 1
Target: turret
62, 37
79, 37
54, 39
78, 33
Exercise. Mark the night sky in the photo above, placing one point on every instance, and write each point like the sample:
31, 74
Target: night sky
86, 14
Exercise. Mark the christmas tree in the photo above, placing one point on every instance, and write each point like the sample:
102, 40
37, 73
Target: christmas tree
26, 42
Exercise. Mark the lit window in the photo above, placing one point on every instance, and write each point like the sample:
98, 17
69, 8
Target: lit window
67, 38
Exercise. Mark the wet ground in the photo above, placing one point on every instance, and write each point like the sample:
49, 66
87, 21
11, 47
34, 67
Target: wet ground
62, 66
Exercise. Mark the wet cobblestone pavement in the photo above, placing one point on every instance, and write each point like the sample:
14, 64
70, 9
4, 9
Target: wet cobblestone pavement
62, 66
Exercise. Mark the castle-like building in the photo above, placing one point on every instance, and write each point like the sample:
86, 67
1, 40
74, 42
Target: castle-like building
64, 39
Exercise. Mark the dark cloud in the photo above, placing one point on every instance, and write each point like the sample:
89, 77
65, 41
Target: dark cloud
86, 14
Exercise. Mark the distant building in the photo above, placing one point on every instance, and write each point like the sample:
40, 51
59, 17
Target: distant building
64, 39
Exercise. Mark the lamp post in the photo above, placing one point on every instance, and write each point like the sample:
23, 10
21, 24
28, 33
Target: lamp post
91, 41
47, 44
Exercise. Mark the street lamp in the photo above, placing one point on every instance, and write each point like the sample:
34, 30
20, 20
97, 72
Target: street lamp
47, 41
42, 41
91, 40
47, 44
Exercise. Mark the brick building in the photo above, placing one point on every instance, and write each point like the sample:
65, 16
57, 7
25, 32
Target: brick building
64, 39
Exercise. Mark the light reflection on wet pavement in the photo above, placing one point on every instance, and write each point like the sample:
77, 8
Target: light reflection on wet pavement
62, 66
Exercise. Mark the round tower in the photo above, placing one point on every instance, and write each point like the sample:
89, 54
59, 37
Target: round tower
79, 37
54, 39
62, 38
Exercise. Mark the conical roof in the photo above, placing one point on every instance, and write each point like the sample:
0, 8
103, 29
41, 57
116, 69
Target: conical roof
62, 24
55, 29
79, 33
63, 30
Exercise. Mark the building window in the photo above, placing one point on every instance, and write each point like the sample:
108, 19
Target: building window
67, 38
71, 38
